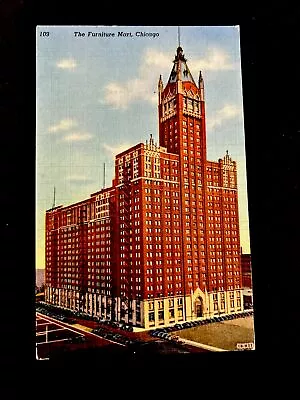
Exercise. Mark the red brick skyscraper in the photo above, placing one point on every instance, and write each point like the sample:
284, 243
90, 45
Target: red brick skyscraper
162, 244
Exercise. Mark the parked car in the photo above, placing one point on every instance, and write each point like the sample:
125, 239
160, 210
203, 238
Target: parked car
178, 326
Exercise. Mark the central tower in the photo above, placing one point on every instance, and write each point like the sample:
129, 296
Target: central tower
182, 131
181, 107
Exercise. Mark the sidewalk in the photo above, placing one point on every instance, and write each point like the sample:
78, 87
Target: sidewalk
201, 345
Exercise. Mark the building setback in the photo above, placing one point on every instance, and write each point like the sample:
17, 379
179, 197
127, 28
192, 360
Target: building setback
162, 244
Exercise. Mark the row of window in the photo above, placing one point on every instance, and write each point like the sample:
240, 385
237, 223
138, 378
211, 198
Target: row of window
158, 183
160, 287
160, 278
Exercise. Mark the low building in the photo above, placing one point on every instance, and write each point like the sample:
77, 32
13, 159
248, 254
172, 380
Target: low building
246, 270
248, 298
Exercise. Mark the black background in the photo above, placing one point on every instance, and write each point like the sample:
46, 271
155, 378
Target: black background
270, 41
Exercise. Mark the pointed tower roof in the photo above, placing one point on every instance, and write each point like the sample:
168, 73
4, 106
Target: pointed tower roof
180, 70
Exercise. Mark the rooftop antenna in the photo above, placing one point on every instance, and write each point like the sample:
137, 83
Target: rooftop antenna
103, 175
53, 205
178, 34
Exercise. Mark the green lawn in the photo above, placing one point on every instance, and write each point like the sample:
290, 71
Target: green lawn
224, 335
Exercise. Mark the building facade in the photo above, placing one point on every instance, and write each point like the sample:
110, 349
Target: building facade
161, 245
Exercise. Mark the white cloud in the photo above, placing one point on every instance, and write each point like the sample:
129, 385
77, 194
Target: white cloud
229, 111
121, 94
114, 150
154, 58
66, 63
153, 63
117, 95
67, 125
215, 60
63, 125
77, 137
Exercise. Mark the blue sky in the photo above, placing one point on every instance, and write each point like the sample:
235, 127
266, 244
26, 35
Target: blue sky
97, 96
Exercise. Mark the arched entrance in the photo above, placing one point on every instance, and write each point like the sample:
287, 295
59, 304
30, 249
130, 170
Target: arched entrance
199, 307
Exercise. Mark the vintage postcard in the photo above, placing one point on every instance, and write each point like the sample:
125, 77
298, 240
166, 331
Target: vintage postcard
142, 231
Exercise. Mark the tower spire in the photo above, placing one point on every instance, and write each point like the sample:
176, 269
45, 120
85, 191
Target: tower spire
178, 34
180, 70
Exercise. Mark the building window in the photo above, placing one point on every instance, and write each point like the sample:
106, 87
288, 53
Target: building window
151, 316
160, 315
